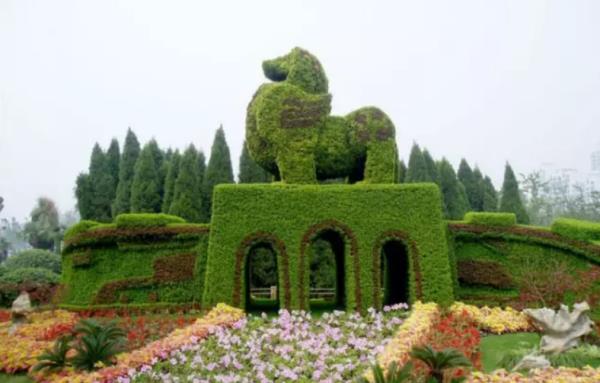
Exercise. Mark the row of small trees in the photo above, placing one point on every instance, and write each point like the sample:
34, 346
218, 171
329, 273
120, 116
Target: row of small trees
466, 190
152, 180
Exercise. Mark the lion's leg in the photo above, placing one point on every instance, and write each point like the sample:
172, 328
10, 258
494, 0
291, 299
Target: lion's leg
381, 166
297, 166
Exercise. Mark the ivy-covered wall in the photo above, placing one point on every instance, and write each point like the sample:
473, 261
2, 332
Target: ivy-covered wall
140, 260
524, 266
289, 216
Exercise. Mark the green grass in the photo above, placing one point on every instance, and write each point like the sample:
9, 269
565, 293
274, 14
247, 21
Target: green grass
4, 378
495, 347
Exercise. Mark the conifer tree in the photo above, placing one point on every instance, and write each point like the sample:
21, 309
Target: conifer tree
402, 172
187, 199
203, 193
510, 200
172, 172
131, 152
465, 176
453, 195
113, 160
219, 169
432, 171
145, 188
476, 200
417, 169
490, 196
159, 161
84, 194
250, 171
102, 186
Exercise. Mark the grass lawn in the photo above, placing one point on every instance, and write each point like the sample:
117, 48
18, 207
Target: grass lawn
494, 347
14, 379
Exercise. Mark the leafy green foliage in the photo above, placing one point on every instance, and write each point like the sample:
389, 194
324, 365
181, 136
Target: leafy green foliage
172, 173
417, 167
394, 374
146, 186
131, 152
219, 170
577, 229
34, 258
55, 359
402, 172
578, 357
29, 274
43, 230
432, 170
490, 196
250, 171
97, 342
187, 195
491, 219
79, 227
454, 199
146, 220
511, 198
439, 361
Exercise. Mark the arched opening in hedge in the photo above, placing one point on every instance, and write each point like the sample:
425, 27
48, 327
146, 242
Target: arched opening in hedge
327, 263
261, 278
394, 272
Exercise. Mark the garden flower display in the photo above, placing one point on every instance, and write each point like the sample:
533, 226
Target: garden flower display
293, 346
495, 320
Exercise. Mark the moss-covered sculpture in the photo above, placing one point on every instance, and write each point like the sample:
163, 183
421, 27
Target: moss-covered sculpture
290, 133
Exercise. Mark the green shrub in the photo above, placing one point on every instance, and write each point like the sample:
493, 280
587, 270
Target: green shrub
97, 342
30, 274
491, 219
394, 374
146, 220
34, 258
79, 227
577, 229
55, 359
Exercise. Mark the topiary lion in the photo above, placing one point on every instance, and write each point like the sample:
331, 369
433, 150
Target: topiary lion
290, 133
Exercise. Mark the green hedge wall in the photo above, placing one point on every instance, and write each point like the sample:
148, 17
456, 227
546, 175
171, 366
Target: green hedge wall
491, 219
494, 262
577, 229
290, 216
141, 260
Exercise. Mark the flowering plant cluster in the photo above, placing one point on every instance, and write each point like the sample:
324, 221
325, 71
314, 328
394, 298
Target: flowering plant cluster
4, 315
152, 353
548, 375
21, 347
495, 320
293, 346
415, 331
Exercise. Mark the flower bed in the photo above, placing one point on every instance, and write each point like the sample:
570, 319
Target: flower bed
293, 346
549, 375
20, 349
495, 320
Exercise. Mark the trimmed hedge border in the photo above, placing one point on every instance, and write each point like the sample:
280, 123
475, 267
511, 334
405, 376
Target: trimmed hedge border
577, 229
490, 219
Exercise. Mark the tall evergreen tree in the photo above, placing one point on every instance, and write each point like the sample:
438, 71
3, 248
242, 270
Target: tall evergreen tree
159, 160
84, 193
145, 188
219, 170
113, 162
187, 199
432, 170
417, 169
490, 196
465, 176
455, 202
203, 193
172, 172
510, 200
402, 172
131, 152
102, 185
250, 171
476, 199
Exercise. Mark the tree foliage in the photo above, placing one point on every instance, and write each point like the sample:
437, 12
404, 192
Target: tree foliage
219, 170
250, 171
187, 201
172, 172
417, 168
454, 197
43, 229
131, 152
145, 188
511, 197
490, 195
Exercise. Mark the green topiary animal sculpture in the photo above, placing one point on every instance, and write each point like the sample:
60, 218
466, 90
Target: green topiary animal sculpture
290, 133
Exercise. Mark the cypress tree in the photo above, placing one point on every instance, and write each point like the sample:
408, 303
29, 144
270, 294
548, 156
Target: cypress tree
219, 169
145, 187
401, 172
84, 194
160, 163
113, 159
510, 200
465, 176
201, 177
187, 201
250, 171
453, 195
172, 172
490, 196
102, 186
432, 171
417, 169
477, 192
131, 152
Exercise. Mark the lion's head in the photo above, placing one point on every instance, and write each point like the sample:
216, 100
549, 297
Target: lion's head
299, 68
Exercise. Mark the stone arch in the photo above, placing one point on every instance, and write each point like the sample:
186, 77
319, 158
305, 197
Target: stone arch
414, 271
349, 238
244, 248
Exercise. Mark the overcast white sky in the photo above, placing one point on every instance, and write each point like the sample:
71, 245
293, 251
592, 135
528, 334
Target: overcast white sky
488, 80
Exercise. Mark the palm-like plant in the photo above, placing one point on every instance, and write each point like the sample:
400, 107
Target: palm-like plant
438, 361
393, 375
97, 343
55, 359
